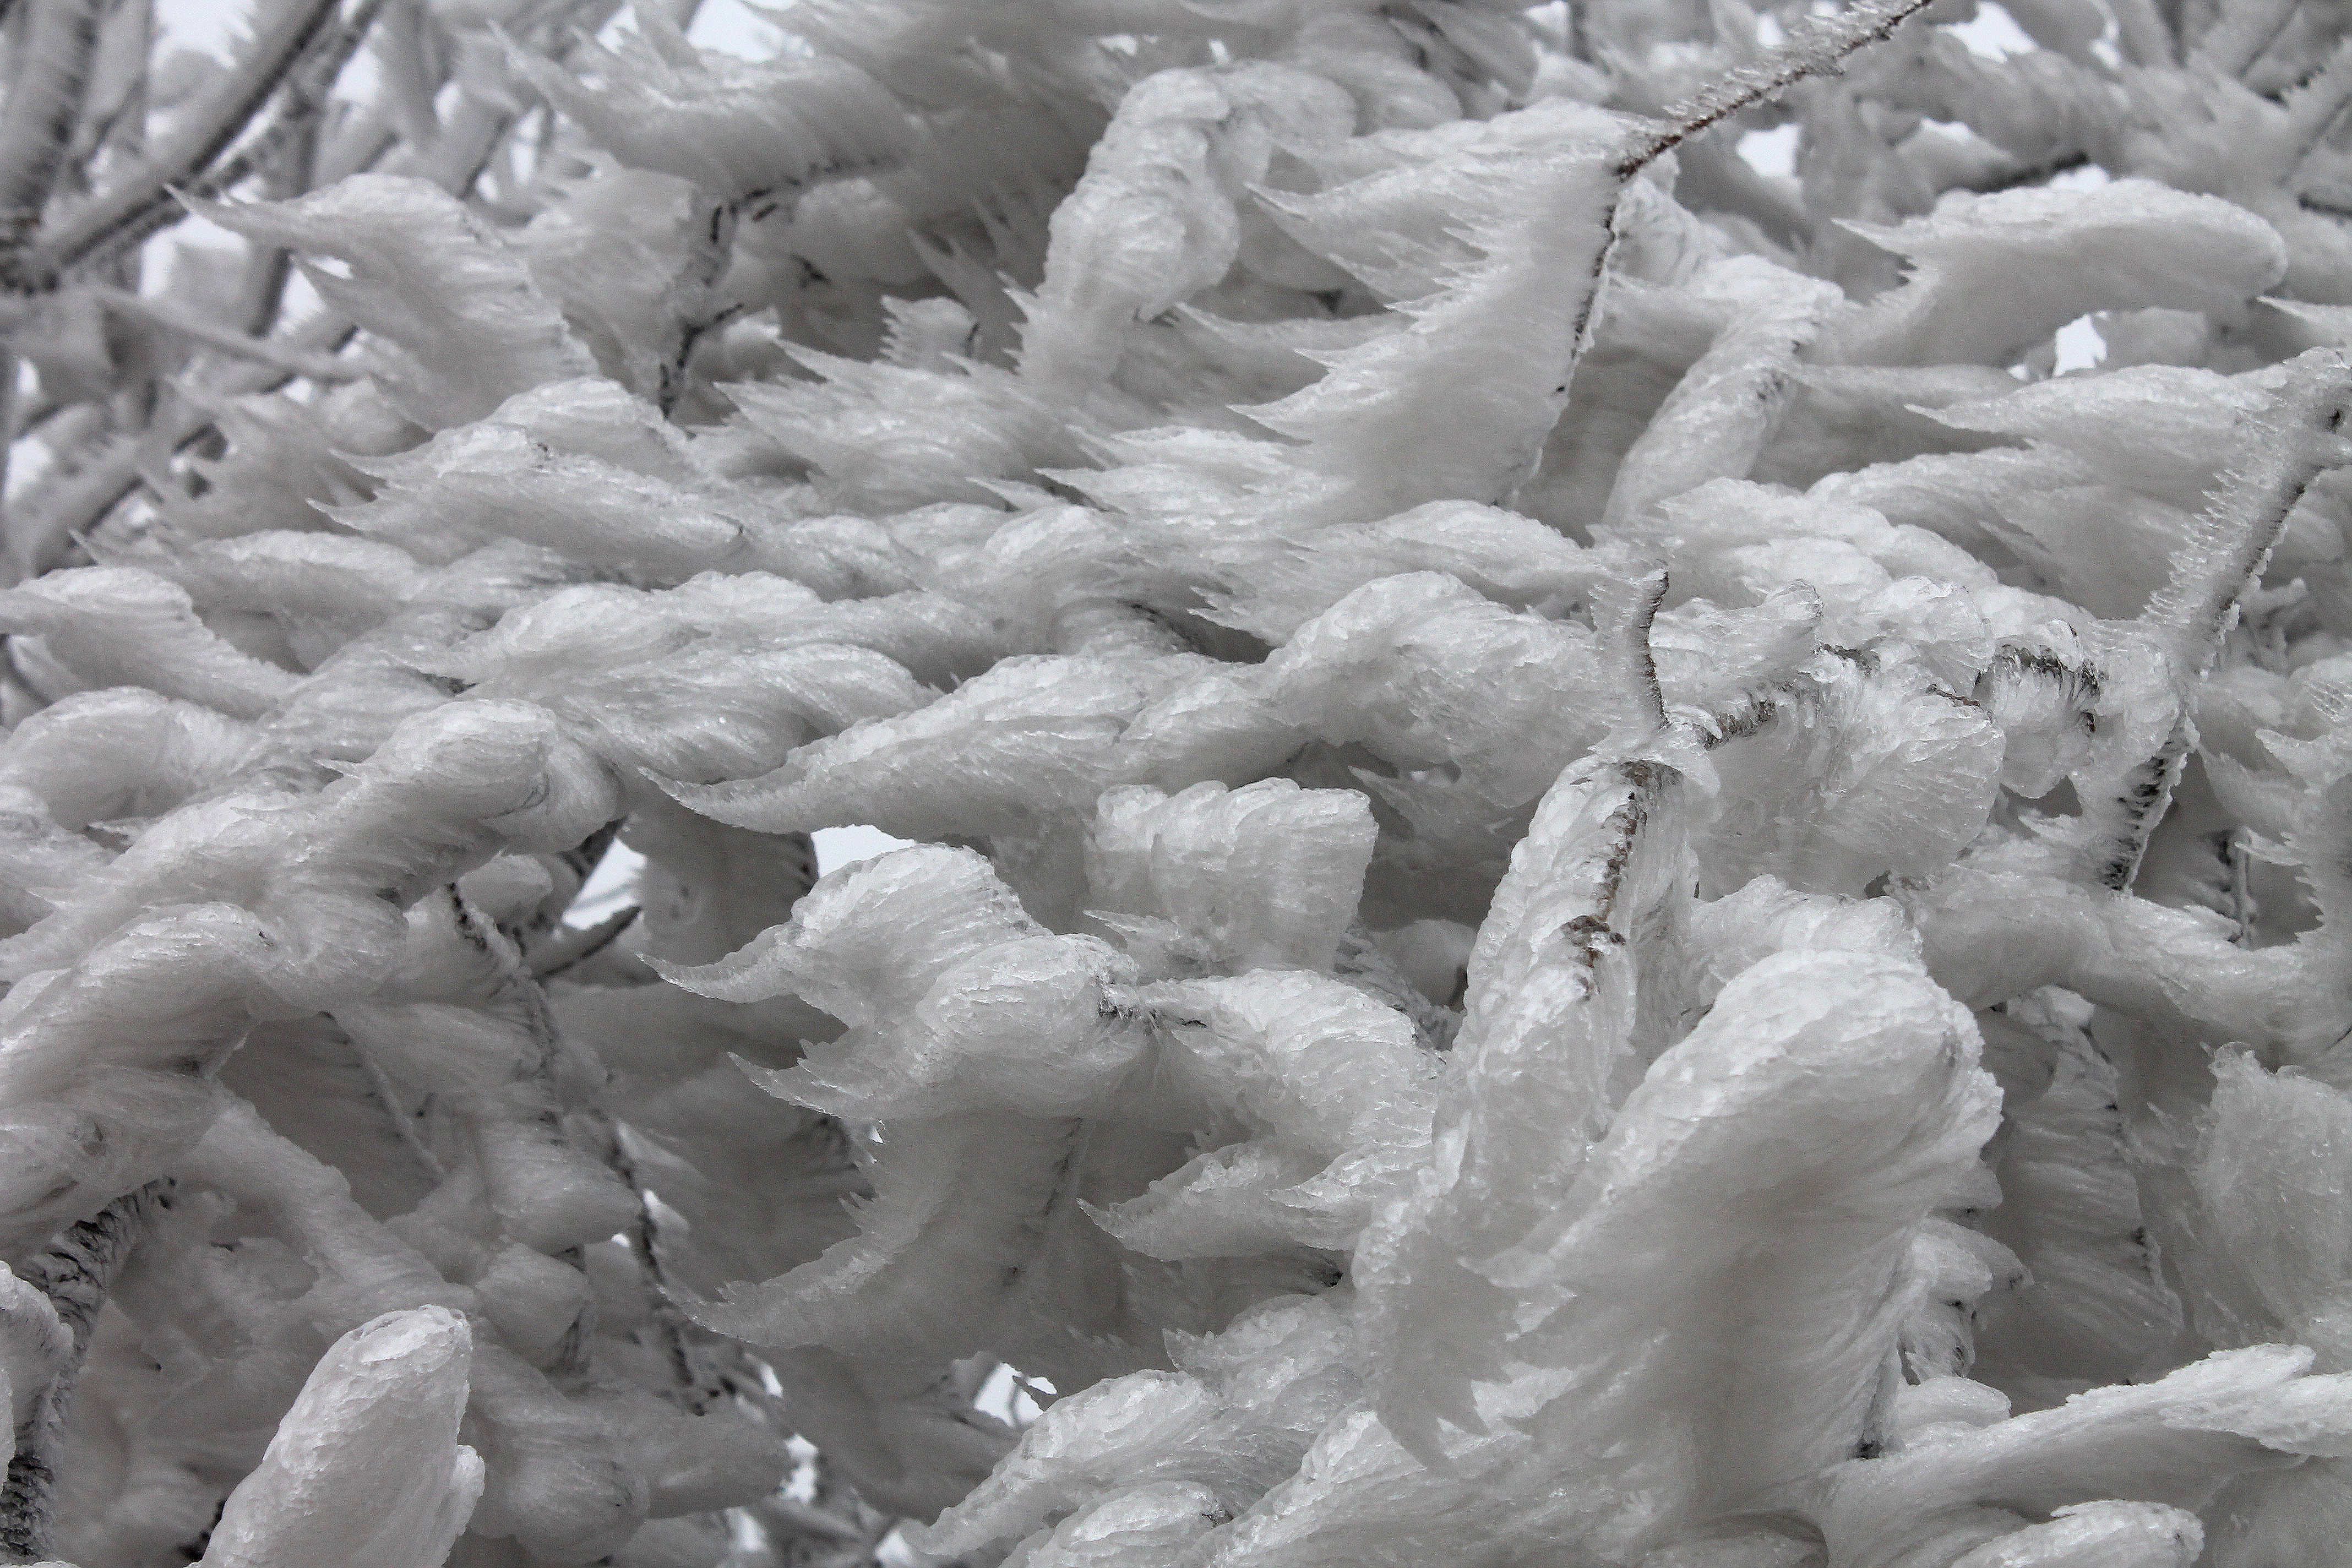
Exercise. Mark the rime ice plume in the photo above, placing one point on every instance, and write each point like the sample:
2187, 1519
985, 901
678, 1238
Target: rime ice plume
1609, 867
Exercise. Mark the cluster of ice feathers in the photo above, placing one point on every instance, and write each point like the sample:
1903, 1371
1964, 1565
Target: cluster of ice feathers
1598, 882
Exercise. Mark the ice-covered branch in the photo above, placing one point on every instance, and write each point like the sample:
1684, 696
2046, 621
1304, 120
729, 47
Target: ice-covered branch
211, 125
46, 82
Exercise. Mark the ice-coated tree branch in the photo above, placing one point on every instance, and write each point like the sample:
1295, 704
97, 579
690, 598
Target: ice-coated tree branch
72, 1275
125, 211
37, 124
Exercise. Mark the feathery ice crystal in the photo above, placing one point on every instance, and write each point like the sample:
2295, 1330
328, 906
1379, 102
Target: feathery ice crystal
1610, 866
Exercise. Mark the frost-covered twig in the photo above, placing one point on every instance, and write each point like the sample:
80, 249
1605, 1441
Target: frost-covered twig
1819, 46
129, 208
48, 81
2299, 439
293, 361
75, 1272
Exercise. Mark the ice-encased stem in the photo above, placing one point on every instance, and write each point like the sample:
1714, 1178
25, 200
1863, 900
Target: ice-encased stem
36, 125
2298, 440
118, 213
76, 1271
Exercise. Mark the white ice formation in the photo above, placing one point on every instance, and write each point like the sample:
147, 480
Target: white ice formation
1615, 860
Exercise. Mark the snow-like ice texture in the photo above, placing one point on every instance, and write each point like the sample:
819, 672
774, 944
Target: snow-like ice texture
1588, 858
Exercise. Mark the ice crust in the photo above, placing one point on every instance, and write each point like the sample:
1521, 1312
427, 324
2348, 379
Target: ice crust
1594, 878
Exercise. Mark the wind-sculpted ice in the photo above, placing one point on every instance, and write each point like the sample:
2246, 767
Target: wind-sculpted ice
366, 1468
1609, 859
